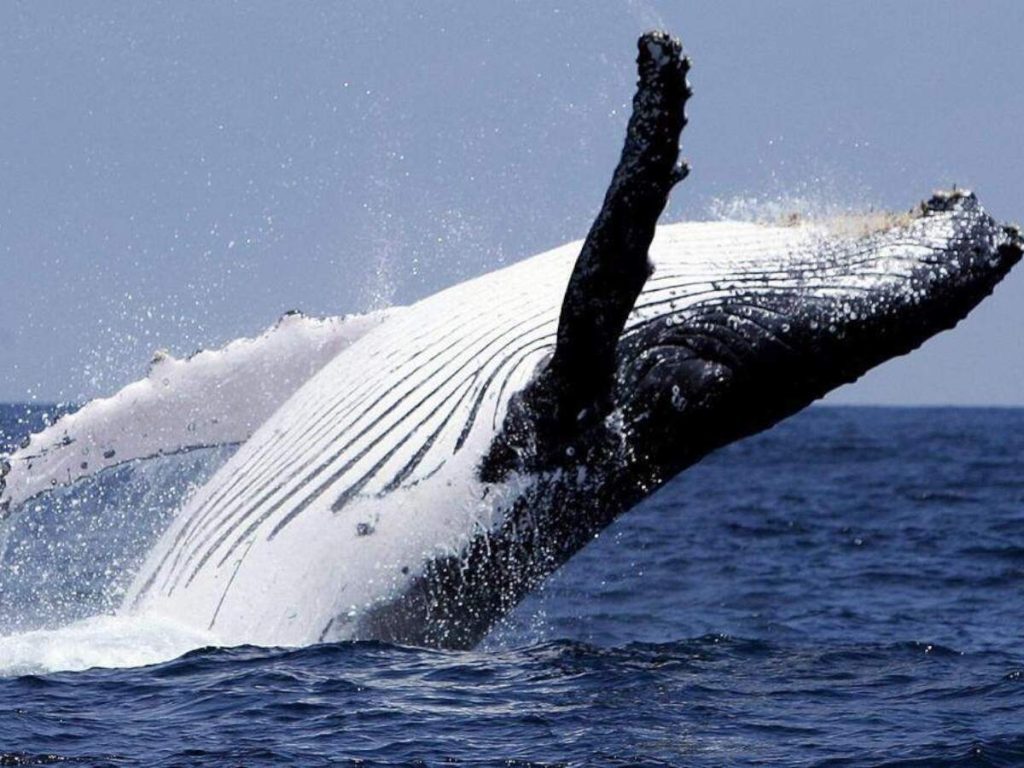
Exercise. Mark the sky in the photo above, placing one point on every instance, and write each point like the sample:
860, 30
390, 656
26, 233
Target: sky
178, 175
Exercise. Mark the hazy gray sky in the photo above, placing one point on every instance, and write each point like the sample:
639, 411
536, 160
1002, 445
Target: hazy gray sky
176, 175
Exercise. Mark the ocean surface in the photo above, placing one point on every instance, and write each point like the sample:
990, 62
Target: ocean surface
846, 589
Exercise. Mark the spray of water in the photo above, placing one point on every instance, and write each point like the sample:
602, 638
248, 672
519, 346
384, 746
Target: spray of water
67, 556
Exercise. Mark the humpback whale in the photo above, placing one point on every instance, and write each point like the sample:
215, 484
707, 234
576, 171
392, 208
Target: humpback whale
456, 453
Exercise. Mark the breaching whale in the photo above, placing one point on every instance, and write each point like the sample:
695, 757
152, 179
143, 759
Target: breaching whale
457, 452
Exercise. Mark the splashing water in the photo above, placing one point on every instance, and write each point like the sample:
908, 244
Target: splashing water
69, 553
100, 641
66, 557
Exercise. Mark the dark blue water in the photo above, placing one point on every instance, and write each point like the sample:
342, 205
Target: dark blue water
844, 590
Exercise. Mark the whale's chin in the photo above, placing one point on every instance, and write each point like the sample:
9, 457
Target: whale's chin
784, 335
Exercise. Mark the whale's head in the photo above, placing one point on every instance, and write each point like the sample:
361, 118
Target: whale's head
771, 335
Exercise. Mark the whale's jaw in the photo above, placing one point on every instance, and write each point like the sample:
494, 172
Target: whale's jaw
692, 382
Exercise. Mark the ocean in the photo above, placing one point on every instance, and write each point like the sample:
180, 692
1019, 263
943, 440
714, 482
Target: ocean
846, 589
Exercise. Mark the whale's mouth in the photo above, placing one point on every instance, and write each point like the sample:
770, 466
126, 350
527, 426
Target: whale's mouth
821, 316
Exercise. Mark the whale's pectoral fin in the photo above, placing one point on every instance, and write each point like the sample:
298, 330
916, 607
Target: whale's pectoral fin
613, 266
213, 398
573, 390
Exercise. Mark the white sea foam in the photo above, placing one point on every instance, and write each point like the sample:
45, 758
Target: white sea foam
100, 641
781, 209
